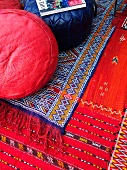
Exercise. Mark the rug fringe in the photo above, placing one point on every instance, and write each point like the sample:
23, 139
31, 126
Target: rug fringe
32, 127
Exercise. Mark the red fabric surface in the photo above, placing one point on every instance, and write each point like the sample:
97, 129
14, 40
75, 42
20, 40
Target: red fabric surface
29, 53
106, 92
10, 4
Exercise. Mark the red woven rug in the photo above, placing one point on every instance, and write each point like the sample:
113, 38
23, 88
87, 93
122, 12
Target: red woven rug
95, 137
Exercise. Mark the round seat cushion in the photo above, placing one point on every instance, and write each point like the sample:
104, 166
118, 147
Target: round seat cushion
28, 53
71, 27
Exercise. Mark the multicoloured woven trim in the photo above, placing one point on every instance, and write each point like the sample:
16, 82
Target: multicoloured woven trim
34, 152
119, 157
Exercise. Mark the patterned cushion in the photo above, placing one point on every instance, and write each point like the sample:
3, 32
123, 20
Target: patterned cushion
28, 53
70, 28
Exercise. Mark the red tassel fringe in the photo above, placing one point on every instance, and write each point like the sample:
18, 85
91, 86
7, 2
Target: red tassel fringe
31, 127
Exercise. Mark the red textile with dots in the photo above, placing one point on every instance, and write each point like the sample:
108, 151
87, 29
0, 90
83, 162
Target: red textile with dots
107, 90
10, 4
29, 53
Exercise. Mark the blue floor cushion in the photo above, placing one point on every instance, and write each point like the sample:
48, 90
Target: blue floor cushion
71, 27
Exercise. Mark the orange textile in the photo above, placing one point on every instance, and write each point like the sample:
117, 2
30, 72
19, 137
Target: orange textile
107, 90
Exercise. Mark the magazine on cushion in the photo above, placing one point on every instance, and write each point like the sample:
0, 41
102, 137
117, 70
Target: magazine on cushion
47, 7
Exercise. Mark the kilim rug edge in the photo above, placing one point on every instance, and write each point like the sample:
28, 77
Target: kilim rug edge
92, 73
119, 155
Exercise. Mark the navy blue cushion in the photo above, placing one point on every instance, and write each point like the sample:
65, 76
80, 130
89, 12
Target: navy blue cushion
71, 27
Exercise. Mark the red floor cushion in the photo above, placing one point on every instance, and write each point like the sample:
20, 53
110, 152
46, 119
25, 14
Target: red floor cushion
28, 53
10, 4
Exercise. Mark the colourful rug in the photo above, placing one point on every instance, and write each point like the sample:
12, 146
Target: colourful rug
92, 138
53, 106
